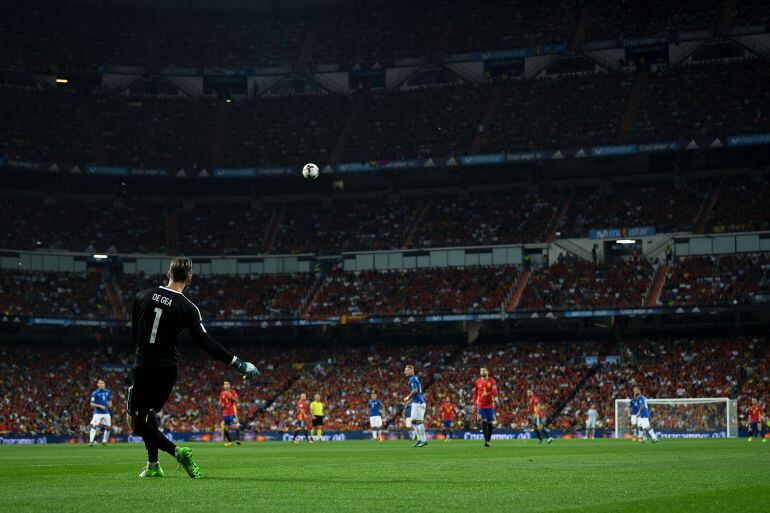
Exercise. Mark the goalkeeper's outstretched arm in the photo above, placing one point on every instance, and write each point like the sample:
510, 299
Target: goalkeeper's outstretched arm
215, 349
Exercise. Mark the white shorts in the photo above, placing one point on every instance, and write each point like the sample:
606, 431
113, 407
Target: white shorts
375, 422
643, 423
101, 418
591, 424
633, 420
408, 422
418, 411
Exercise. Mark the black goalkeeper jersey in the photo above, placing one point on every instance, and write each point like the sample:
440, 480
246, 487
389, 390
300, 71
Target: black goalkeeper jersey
158, 317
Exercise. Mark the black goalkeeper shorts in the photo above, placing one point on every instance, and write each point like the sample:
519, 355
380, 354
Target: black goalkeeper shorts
318, 420
149, 388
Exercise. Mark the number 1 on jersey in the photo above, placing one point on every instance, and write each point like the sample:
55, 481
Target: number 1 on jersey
158, 313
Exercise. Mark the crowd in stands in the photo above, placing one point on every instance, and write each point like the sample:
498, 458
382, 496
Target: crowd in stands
463, 218
222, 229
665, 206
57, 382
635, 18
672, 106
148, 132
47, 223
559, 112
285, 130
668, 368
362, 34
567, 284
555, 112
483, 219
31, 293
740, 207
46, 126
347, 225
757, 381
418, 123
571, 283
480, 26
716, 279
416, 292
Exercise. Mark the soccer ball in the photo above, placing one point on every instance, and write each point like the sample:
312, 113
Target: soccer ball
310, 171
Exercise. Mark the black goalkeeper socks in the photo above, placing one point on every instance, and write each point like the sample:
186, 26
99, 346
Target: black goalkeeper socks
487, 429
154, 438
227, 435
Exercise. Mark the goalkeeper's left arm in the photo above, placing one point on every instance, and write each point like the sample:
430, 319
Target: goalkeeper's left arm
212, 347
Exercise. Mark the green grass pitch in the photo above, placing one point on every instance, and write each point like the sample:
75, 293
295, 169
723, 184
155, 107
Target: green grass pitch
513, 476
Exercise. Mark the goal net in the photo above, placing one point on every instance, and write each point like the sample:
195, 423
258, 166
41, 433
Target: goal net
690, 417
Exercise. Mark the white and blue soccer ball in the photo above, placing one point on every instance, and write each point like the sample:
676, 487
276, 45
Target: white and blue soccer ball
310, 171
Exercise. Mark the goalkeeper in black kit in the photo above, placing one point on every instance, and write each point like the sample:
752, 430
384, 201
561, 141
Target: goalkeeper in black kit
158, 316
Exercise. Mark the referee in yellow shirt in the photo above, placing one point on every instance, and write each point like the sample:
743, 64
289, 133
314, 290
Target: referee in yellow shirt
317, 411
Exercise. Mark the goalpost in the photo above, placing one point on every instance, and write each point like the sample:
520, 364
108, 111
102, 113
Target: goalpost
686, 417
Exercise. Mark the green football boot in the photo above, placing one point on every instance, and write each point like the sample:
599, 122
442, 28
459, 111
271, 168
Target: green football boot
184, 457
149, 471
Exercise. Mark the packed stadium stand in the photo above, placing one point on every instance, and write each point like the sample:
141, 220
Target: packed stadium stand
509, 216
674, 100
347, 225
739, 207
377, 33
669, 207
77, 295
635, 18
548, 113
566, 284
574, 284
450, 290
719, 279
572, 111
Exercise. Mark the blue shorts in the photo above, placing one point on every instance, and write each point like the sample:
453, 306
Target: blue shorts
446, 423
229, 420
538, 422
301, 423
487, 414
755, 426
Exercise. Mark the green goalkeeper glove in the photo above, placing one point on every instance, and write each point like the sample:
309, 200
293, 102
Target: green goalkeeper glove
248, 370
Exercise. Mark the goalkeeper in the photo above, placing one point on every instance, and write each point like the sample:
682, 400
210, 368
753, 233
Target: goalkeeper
159, 315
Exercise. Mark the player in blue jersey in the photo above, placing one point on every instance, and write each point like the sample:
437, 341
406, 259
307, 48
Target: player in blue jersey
415, 399
643, 419
101, 402
375, 417
634, 418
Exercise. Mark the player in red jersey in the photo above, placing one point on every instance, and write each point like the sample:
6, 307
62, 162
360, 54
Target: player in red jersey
484, 393
302, 416
448, 413
228, 399
538, 419
755, 420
